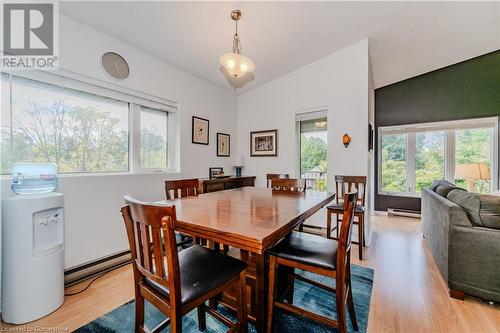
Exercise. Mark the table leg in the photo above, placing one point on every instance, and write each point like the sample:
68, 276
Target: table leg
260, 293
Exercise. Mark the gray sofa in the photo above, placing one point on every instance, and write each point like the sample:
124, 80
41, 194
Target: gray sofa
463, 232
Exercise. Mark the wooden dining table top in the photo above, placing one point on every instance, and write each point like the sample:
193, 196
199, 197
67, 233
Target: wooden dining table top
250, 218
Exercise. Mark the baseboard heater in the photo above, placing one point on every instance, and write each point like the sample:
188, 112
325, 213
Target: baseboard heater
82, 272
403, 212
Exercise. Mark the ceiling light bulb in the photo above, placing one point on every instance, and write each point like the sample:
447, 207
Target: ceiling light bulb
230, 63
244, 67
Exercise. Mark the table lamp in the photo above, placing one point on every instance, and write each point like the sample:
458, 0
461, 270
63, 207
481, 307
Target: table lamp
238, 164
472, 172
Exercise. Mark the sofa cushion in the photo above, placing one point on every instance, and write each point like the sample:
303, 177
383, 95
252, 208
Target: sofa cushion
442, 187
438, 182
446, 187
483, 210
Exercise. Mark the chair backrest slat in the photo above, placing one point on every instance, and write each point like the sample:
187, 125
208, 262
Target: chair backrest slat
345, 184
344, 242
151, 234
181, 188
271, 176
146, 250
156, 235
289, 185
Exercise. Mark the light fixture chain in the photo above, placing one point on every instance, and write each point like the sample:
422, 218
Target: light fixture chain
236, 40
236, 44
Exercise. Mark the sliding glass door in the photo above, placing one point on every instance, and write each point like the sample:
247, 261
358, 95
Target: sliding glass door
313, 152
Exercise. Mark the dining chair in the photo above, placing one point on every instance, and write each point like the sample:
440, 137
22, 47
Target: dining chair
288, 185
271, 176
318, 255
177, 282
344, 184
180, 189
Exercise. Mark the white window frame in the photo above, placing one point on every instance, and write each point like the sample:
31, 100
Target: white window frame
135, 100
304, 115
449, 127
135, 142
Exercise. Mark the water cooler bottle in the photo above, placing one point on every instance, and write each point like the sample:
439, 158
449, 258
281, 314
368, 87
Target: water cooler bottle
32, 255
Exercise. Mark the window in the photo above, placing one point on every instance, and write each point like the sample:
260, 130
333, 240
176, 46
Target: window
312, 134
411, 157
429, 158
153, 139
472, 159
393, 166
79, 130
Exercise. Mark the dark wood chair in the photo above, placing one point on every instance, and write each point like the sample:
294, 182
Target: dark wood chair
177, 282
288, 185
271, 176
318, 255
344, 184
180, 189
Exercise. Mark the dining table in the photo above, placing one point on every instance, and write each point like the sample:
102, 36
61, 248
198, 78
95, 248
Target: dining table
252, 220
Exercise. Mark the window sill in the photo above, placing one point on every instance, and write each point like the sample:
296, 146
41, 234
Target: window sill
107, 174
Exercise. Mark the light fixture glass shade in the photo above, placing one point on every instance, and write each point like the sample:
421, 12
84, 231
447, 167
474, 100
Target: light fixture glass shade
236, 64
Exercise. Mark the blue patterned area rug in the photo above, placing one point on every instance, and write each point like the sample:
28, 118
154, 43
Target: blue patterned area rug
121, 320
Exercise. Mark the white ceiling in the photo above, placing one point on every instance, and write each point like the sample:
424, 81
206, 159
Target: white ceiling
406, 38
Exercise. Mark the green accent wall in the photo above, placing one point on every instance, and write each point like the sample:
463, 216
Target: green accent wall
470, 89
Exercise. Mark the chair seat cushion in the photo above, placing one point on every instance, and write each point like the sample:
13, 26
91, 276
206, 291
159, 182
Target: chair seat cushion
201, 270
340, 206
307, 249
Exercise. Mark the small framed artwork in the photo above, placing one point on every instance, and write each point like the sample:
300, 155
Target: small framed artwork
215, 172
200, 128
223, 144
264, 143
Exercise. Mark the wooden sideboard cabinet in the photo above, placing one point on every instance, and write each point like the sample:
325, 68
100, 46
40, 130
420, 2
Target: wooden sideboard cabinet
219, 184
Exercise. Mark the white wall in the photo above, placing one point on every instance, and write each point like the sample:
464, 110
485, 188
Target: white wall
339, 82
93, 224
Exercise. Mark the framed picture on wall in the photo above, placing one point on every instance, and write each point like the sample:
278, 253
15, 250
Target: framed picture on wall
370, 137
264, 143
200, 129
223, 144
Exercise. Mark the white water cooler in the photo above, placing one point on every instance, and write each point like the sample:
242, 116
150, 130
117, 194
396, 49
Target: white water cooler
32, 256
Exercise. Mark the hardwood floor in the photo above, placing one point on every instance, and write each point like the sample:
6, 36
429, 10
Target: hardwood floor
409, 294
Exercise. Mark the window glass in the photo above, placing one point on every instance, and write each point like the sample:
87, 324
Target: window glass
313, 153
429, 158
153, 145
393, 173
472, 159
78, 131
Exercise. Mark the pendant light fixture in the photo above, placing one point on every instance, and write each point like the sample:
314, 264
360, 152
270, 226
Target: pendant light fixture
235, 63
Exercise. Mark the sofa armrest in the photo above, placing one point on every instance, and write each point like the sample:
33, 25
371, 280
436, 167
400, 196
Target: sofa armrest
438, 215
435, 226
474, 261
